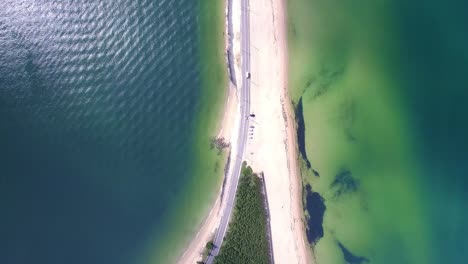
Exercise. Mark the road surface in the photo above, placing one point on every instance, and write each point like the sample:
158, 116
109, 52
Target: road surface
243, 128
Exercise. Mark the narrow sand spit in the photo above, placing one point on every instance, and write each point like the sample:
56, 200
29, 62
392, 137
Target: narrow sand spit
271, 146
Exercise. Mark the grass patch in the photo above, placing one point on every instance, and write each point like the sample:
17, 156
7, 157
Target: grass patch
246, 240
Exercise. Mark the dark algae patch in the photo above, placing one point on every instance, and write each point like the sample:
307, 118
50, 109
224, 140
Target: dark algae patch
301, 132
316, 173
246, 240
344, 183
315, 207
349, 257
347, 118
327, 76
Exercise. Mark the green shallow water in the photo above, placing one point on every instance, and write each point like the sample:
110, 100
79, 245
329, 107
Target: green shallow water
383, 86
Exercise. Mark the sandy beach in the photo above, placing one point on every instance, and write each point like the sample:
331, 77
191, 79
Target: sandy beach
272, 147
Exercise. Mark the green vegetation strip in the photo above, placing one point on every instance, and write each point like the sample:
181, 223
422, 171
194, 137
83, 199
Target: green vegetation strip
246, 240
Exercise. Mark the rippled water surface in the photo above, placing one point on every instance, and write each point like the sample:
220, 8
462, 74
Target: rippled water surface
97, 100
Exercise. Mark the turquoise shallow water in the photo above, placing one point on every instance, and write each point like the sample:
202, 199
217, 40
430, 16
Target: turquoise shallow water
384, 92
97, 102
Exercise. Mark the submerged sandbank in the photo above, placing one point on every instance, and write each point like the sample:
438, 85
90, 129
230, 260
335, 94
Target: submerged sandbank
362, 75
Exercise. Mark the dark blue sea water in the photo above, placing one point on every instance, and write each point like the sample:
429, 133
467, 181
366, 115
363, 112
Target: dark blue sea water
97, 100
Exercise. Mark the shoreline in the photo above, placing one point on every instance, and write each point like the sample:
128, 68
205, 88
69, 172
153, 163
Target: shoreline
292, 146
225, 127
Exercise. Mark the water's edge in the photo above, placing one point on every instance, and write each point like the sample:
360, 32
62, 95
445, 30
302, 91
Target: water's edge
207, 164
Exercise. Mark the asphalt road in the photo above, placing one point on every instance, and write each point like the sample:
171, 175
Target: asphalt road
243, 129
